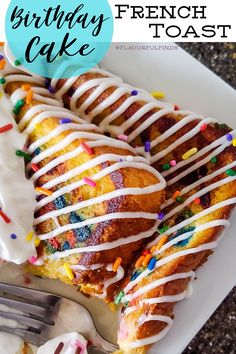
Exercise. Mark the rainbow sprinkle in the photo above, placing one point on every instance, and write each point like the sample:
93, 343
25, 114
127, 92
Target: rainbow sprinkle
160, 216
59, 348
51, 89
13, 236
17, 62
139, 261
231, 172
2, 64
29, 236
34, 167
18, 106
134, 92
122, 137
6, 128
234, 142
229, 137
147, 146
166, 167
197, 201
173, 163
176, 107
146, 260
152, 263
5, 217
65, 120
89, 182
203, 127
43, 191
2, 81
158, 94
26, 87
32, 260
189, 153
86, 148
163, 229
21, 153
176, 194
36, 241
119, 297
161, 242
29, 96
213, 159
116, 264
69, 272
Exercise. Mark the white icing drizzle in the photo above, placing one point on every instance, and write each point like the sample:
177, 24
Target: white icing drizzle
47, 108
210, 151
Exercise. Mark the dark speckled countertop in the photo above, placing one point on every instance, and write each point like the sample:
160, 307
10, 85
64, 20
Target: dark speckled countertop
218, 336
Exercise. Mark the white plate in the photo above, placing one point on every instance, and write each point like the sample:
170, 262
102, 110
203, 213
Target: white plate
188, 83
191, 85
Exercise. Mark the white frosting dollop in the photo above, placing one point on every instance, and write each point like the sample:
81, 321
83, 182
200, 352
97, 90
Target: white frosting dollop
17, 196
71, 342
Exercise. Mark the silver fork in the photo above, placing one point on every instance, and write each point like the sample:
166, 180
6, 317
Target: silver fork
39, 316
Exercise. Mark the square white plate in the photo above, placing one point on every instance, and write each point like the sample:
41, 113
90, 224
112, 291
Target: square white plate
189, 84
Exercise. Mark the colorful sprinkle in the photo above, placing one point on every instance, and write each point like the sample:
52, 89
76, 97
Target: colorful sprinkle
6, 128
176, 194
213, 159
21, 153
1, 57
2, 81
89, 182
166, 167
134, 92
119, 297
229, 137
135, 275
173, 163
160, 216
116, 264
176, 107
189, 153
65, 120
161, 242
2, 44
145, 252
86, 148
231, 172
43, 191
59, 348
69, 272
29, 96
122, 137
36, 241
139, 262
13, 236
26, 87
5, 217
17, 62
234, 142
18, 106
51, 89
29, 236
34, 167
146, 260
197, 201
163, 229
32, 259
203, 127
2, 64
147, 146
152, 263
1, 94
158, 94
179, 199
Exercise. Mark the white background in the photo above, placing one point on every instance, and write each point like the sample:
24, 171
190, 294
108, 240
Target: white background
130, 30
